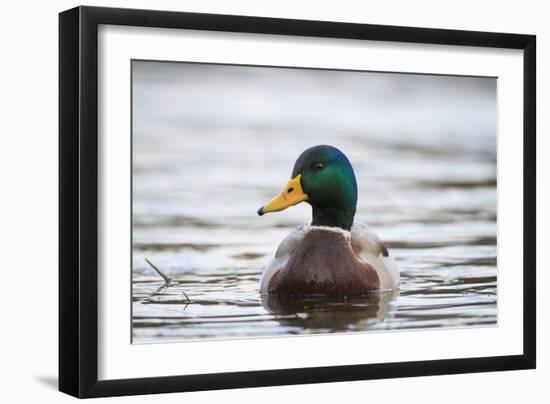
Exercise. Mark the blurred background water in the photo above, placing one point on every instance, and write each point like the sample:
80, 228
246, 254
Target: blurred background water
212, 143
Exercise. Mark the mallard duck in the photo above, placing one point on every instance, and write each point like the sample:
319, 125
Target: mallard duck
334, 255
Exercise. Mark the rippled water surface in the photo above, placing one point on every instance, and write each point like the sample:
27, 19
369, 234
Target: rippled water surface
211, 144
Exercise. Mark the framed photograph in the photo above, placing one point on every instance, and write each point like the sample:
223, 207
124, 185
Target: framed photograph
250, 201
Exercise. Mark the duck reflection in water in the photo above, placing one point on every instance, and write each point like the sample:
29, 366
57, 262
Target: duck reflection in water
330, 313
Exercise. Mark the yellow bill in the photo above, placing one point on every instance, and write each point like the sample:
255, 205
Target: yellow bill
291, 195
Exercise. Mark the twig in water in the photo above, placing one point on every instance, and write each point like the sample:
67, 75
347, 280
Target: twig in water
159, 290
187, 297
167, 280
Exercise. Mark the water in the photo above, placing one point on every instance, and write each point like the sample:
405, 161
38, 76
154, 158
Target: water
211, 144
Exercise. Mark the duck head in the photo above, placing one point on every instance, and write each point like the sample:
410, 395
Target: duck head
324, 178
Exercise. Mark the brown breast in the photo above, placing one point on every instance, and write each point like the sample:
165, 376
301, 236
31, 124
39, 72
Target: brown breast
324, 263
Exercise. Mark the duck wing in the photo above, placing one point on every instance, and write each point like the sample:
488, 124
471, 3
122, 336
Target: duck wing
366, 244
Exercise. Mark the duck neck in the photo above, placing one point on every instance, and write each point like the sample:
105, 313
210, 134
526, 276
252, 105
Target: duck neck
333, 217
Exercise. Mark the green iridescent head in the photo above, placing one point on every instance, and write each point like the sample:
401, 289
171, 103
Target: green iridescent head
324, 178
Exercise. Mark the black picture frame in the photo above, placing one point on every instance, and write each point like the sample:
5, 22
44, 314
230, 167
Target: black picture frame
78, 201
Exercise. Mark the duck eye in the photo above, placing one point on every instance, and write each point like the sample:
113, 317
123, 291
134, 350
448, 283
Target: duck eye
318, 166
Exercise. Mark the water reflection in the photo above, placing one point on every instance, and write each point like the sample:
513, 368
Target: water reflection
317, 314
